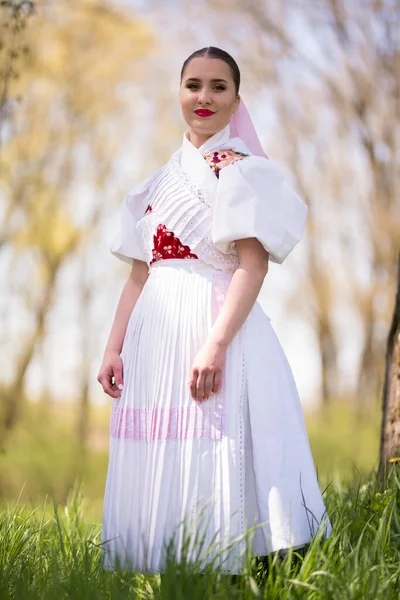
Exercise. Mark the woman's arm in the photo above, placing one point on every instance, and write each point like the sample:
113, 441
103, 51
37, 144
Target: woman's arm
112, 363
243, 291
206, 374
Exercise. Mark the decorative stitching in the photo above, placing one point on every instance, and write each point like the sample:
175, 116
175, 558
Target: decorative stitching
218, 159
204, 421
242, 434
167, 245
189, 183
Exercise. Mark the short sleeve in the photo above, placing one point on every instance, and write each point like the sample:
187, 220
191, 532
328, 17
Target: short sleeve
124, 241
255, 198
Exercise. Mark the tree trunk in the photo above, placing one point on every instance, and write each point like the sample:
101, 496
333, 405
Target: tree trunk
85, 298
14, 393
329, 372
390, 431
83, 416
370, 377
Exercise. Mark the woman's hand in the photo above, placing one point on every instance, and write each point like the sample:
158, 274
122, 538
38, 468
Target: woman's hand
111, 367
207, 369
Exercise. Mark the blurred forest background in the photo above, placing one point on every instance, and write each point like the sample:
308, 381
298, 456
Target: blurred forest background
89, 106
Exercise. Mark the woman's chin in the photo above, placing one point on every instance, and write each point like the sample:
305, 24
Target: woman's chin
201, 128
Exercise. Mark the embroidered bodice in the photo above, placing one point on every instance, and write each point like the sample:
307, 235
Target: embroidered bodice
177, 222
166, 244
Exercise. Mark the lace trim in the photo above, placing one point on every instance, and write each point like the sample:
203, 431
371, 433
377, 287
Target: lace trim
210, 254
242, 436
205, 421
189, 183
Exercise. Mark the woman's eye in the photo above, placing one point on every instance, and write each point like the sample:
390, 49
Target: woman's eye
194, 86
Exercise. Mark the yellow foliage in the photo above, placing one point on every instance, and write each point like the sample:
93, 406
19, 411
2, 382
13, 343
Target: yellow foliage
79, 55
80, 51
50, 231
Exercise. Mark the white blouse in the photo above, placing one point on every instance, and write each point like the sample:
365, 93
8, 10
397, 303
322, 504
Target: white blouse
252, 197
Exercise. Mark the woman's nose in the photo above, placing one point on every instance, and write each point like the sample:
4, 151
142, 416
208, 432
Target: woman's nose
204, 96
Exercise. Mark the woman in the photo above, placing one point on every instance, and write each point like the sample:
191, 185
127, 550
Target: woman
207, 431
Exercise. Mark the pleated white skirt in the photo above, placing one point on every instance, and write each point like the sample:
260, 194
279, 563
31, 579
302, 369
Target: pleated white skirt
188, 479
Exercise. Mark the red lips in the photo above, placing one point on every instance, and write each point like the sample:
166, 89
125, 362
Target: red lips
204, 112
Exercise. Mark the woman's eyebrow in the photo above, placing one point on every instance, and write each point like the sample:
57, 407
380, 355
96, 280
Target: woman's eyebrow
212, 80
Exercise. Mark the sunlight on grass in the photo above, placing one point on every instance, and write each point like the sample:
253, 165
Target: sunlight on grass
58, 555
53, 550
344, 440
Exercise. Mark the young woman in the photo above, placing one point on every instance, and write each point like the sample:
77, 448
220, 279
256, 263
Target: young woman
207, 431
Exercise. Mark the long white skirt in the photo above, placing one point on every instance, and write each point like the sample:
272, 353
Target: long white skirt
189, 479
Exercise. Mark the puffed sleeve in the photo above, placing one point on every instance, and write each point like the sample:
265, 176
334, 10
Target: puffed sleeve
124, 240
255, 198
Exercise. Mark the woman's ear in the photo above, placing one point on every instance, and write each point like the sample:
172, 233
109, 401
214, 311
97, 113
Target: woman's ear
236, 105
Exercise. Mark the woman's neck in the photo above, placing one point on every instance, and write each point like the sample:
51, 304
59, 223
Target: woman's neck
198, 139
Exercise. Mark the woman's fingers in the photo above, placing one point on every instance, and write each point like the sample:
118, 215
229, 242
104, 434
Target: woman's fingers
208, 384
118, 374
217, 382
201, 384
108, 378
109, 388
193, 383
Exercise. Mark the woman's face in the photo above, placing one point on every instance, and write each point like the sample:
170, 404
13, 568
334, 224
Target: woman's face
207, 95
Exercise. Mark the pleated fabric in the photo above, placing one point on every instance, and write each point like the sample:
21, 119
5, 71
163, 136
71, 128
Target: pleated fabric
189, 478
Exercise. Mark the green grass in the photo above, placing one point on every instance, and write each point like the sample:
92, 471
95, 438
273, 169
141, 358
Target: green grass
56, 555
53, 551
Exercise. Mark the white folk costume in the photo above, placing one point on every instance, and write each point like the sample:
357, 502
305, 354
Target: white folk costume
242, 457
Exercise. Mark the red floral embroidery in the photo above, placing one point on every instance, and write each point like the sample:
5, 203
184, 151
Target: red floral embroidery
219, 159
166, 245
148, 210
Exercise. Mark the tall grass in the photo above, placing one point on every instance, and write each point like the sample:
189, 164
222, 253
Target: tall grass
58, 556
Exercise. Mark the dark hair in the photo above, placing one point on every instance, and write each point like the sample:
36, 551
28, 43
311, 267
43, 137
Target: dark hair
213, 52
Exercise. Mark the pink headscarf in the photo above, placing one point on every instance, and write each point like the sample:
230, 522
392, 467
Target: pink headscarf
242, 127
